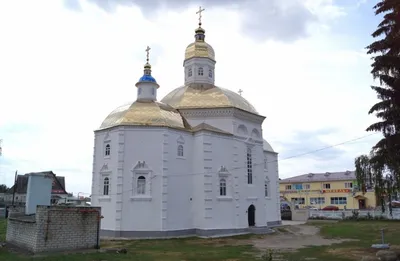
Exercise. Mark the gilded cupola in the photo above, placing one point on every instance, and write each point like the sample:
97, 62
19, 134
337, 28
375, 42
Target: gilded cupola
199, 48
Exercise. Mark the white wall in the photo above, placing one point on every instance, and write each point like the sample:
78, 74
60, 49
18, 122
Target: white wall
107, 203
142, 212
179, 198
273, 208
182, 192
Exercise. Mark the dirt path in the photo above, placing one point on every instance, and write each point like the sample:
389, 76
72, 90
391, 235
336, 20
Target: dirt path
289, 238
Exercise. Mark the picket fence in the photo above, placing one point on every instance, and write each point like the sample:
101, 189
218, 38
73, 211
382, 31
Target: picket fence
348, 213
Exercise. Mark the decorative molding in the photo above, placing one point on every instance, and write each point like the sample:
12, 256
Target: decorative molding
255, 134
104, 198
141, 166
107, 137
104, 169
180, 140
141, 198
247, 116
224, 198
223, 171
209, 113
241, 130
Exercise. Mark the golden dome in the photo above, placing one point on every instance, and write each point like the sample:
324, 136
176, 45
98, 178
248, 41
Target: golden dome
201, 96
142, 113
199, 48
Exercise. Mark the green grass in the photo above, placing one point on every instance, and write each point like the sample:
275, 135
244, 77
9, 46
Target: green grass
364, 234
234, 248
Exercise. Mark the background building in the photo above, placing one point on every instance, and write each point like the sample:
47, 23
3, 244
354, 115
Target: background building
21, 185
326, 189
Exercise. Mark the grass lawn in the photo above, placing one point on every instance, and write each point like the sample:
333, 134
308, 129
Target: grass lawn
233, 249
364, 233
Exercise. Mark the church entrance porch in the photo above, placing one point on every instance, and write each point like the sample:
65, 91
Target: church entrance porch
251, 215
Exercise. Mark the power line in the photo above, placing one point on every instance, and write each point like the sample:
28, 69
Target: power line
256, 164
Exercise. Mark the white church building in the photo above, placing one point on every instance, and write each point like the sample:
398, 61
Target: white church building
195, 163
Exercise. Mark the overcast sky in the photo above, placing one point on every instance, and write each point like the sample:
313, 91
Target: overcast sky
65, 64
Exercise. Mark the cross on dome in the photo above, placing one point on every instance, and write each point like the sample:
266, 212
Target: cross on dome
240, 92
147, 51
199, 13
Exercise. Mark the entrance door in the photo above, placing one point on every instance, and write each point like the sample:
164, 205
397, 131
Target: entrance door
251, 215
361, 203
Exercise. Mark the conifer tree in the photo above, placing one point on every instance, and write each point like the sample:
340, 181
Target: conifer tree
382, 166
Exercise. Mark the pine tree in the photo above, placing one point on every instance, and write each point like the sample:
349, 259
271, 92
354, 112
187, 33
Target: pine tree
385, 155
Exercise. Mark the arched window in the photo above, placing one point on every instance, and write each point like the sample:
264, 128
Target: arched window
190, 72
180, 150
200, 71
210, 73
249, 167
141, 185
222, 187
266, 188
139, 91
265, 163
106, 186
108, 150
153, 91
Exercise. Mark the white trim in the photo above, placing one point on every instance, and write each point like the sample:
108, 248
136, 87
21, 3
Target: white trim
224, 198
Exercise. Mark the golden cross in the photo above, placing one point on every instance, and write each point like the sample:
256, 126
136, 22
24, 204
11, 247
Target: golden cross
147, 51
199, 13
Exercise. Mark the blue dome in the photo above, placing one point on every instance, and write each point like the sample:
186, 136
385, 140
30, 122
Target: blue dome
147, 78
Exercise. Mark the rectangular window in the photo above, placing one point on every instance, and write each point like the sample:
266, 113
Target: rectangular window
288, 187
317, 201
222, 187
338, 201
348, 185
299, 201
327, 186
306, 186
298, 186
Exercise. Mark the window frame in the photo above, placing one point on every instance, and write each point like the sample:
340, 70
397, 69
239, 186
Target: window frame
222, 187
141, 188
106, 186
326, 185
200, 71
107, 150
249, 163
348, 185
266, 189
338, 200
180, 151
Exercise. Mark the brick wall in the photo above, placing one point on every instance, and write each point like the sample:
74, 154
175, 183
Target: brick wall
21, 231
55, 228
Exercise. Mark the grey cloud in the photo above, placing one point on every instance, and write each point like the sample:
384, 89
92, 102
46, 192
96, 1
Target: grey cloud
306, 141
281, 20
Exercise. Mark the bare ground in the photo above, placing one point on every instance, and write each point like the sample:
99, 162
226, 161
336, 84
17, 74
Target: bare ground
293, 237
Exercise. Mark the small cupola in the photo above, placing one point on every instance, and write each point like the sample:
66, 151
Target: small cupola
147, 84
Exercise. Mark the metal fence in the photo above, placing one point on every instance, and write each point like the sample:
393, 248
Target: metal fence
339, 214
